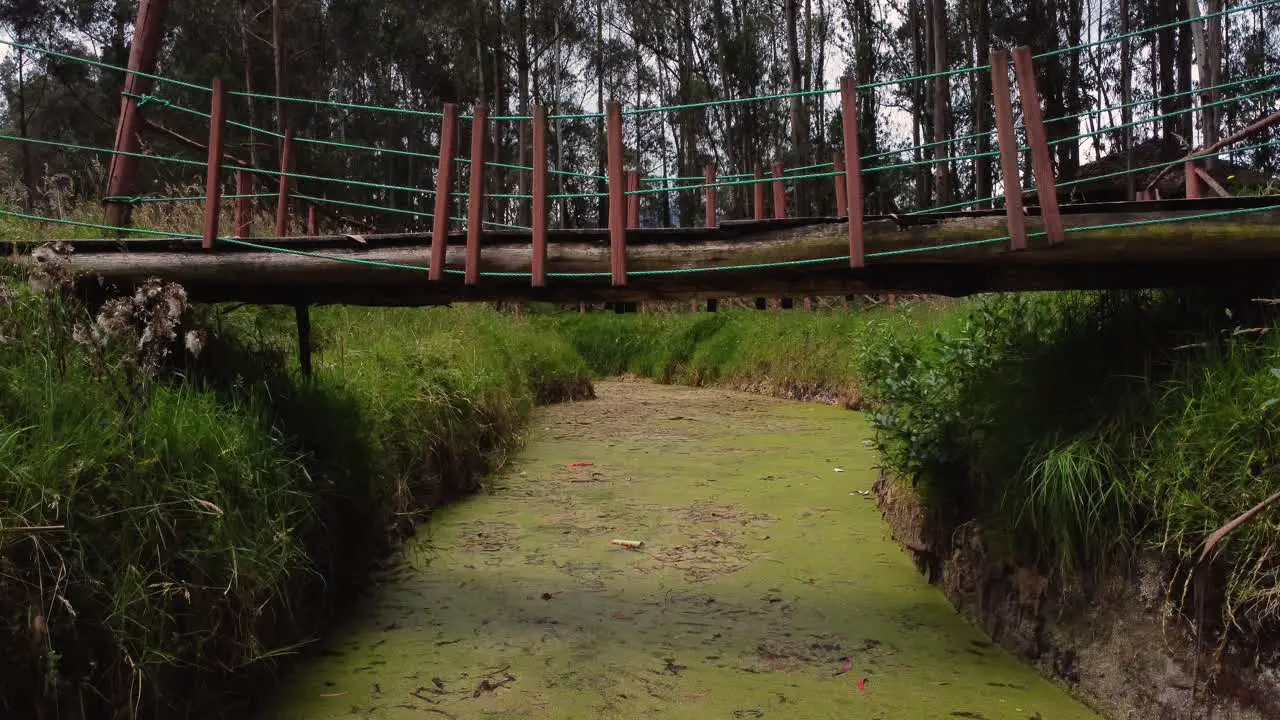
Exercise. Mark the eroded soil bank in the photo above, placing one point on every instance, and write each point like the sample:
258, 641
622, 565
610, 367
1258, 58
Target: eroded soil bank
767, 585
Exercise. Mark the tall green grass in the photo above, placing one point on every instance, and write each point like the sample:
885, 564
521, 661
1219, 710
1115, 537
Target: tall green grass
809, 355
165, 535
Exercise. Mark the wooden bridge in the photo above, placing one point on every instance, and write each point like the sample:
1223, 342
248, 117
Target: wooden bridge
1148, 242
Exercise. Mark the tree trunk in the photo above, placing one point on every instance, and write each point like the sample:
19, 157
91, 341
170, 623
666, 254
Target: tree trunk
799, 123
277, 51
1126, 101
917, 105
981, 104
941, 98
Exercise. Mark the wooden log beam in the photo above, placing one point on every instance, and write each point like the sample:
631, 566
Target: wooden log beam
1235, 249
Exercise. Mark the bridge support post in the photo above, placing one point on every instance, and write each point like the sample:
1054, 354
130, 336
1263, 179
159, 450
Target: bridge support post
853, 170
1009, 151
617, 194
213, 183
779, 193
282, 202
757, 195
538, 267
444, 185
1192, 179
123, 172
475, 197
1033, 120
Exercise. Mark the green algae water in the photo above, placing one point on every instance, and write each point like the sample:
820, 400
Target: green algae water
766, 585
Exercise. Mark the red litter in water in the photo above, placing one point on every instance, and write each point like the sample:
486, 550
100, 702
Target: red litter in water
862, 685
581, 464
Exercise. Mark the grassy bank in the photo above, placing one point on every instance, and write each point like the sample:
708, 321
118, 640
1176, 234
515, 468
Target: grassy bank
800, 355
178, 511
1084, 430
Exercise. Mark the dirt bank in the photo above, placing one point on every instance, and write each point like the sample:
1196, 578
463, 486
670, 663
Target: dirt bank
1119, 645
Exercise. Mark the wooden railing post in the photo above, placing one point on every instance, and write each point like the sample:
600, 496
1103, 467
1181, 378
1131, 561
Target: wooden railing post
244, 204
282, 201
758, 194
779, 193
617, 193
213, 182
475, 197
853, 171
539, 263
123, 171
1009, 152
312, 221
709, 195
444, 185
1033, 121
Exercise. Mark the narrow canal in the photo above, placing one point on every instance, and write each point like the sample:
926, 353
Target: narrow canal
766, 586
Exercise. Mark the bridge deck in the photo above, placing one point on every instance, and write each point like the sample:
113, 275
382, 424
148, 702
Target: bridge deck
1211, 242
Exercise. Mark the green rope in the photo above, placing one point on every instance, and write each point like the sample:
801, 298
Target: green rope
105, 66
321, 178
365, 206
322, 256
96, 226
1174, 113
188, 198
733, 101
1155, 166
1157, 28
496, 196
107, 151
808, 167
334, 103
572, 196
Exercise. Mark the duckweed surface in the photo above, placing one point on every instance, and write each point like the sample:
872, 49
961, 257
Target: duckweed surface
766, 587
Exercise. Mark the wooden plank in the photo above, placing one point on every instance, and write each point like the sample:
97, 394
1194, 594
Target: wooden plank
709, 196
213, 167
1191, 180
633, 201
444, 185
123, 172
1041, 162
757, 205
853, 171
841, 190
1009, 152
779, 193
617, 194
539, 262
282, 200
244, 204
475, 196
